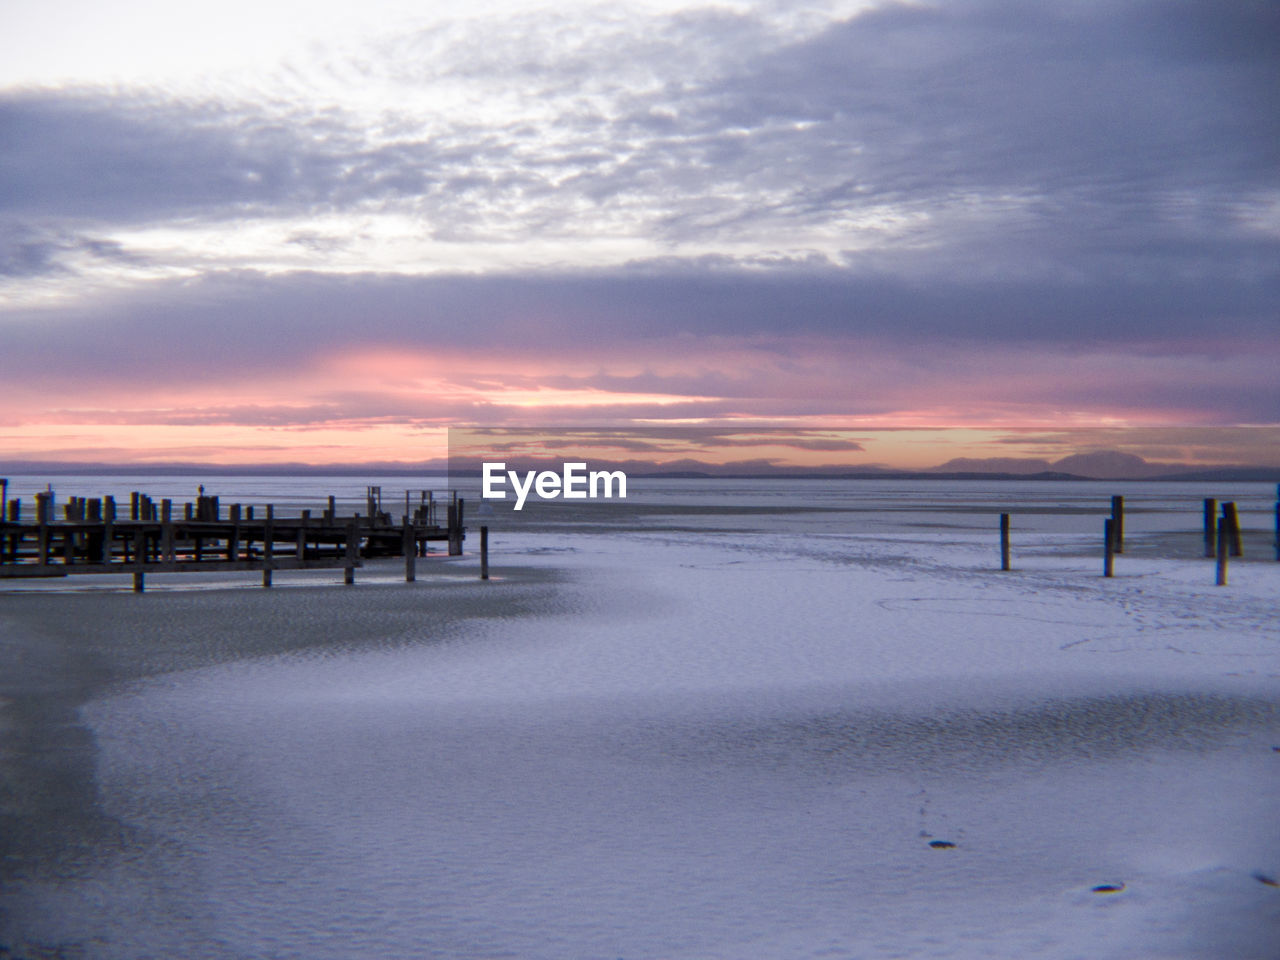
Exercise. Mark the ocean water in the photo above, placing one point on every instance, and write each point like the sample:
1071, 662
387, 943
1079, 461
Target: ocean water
716, 720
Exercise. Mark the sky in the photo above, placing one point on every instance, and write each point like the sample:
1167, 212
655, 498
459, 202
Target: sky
279, 232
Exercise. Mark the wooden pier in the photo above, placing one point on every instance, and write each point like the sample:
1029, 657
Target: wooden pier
94, 536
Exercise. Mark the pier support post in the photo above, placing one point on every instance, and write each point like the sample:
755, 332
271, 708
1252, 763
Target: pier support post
108, 533
409, 547
166, 531
233, 541
139, 555
43, 516
353, 537
302, 534
455, 534
1109, 548
484, 553
268, 545
1004, 541
1117, 522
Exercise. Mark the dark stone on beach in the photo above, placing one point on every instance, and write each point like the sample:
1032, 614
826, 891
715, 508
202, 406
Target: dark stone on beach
1108, 888
941, 844
1269, 881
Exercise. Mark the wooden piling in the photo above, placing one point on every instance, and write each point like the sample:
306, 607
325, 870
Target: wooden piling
42, 518
1004, 541
1117, 522
108, 531
484, 553
268, 546
1109, 548
91, 540
1231, 519
1210, 526
455, 539
409, 547
139, 556
352, 545
1223, 551
233, 540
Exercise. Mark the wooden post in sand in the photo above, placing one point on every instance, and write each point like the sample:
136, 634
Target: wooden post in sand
1231, 520
1210, 526
1277, 537
1117, 522
484, 553
1223, 538
1109, 549
1004, 541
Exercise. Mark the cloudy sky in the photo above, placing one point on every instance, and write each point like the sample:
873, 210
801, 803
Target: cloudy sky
277, 231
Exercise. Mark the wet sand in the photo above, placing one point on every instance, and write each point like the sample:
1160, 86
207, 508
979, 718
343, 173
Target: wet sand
65, 643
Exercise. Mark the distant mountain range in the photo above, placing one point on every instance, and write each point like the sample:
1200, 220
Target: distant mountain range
1109, 465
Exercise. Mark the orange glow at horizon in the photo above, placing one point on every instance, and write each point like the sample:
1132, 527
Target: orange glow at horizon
379, 404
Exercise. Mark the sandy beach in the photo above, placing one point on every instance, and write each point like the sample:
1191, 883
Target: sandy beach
681, 734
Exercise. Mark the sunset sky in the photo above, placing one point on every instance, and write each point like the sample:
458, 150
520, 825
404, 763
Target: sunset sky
322, 232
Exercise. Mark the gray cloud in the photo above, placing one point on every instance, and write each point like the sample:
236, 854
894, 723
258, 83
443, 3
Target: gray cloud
242, 315
32, 252
1179, 345
1025, 139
